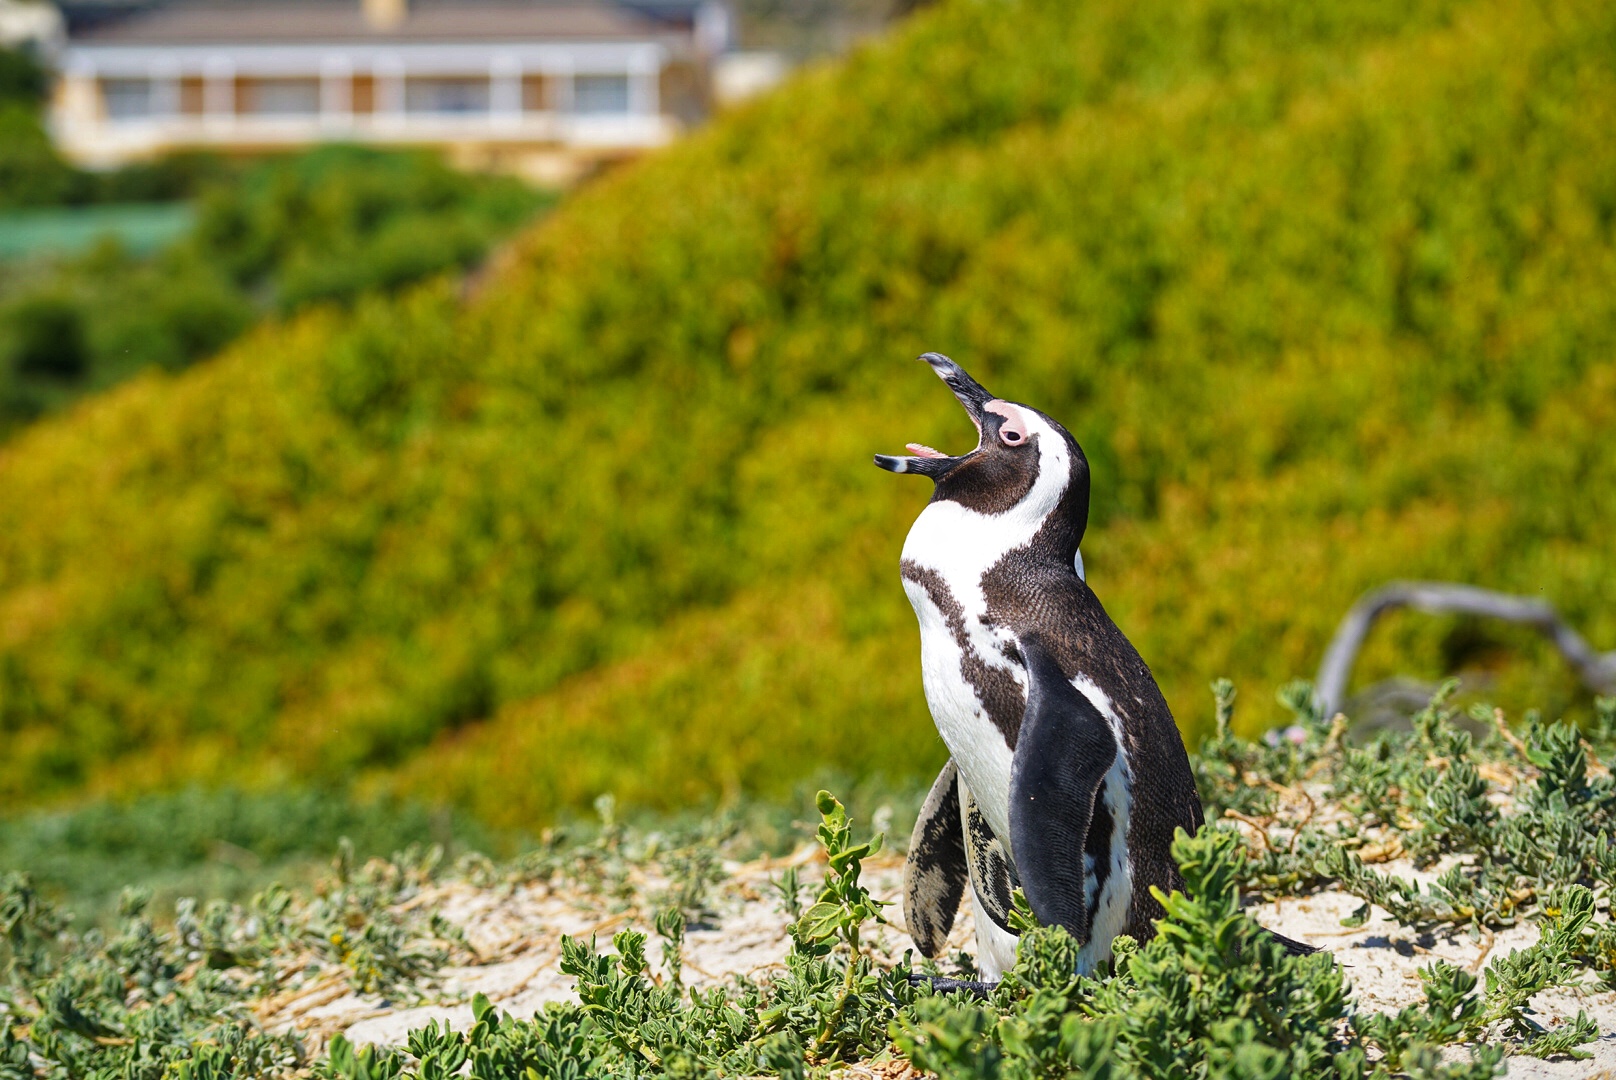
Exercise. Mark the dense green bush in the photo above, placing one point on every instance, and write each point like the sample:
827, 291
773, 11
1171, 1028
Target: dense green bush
23, 79
273, 237
31, 172
337, 221
48, 339
1327, 292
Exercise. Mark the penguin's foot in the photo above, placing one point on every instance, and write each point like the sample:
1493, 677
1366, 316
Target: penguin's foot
941, 985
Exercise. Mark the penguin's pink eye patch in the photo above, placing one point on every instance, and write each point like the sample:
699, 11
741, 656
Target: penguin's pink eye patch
1013, 431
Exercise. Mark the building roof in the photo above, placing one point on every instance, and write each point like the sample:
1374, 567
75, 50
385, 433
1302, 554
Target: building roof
291, 21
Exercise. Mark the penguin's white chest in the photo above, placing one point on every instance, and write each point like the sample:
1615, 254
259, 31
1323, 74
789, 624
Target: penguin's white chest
947, 552
978, 747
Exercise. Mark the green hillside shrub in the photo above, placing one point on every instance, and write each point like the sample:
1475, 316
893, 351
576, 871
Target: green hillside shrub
23, 79
1325, 292
31, 172
271, 238
337, 221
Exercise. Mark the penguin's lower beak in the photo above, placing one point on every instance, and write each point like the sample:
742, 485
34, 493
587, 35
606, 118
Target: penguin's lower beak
971, 394
926, 462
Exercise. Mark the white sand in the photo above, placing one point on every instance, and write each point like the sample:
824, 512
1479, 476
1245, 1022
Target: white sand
516, 932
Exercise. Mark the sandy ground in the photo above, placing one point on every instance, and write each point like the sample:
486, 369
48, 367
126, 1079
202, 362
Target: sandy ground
1381, 960
516, 933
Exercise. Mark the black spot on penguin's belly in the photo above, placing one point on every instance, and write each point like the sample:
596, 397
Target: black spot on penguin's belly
1001, 696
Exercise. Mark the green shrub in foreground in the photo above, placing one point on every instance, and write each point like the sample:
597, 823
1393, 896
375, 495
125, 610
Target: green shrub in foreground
150, 999
1210, 996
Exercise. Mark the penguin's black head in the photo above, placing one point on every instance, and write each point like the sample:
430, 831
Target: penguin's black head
1025, 464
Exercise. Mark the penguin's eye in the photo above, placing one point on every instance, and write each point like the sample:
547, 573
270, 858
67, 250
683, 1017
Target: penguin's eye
1012, 435
1013, 428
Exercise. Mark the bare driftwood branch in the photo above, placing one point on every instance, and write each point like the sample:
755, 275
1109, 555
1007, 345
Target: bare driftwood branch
1597, 670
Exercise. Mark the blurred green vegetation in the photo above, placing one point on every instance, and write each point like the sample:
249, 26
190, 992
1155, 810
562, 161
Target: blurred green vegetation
231, 842
270, 237
33, 174
214, 843
143, 228
1327, 292
23, 79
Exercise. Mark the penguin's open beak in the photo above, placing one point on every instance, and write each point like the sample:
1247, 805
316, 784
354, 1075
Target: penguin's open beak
971, 394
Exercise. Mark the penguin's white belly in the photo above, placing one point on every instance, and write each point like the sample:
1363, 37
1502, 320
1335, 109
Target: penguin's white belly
995, 947
978, 747
958, 546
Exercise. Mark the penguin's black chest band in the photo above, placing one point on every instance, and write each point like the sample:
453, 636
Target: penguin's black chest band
995, 685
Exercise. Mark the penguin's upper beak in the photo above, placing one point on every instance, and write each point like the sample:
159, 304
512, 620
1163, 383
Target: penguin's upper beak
971, 394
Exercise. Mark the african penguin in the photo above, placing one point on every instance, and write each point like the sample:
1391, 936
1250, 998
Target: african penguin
1067, 776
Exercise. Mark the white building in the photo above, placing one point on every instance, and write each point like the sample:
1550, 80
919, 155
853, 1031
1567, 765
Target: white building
34, 25
539, 87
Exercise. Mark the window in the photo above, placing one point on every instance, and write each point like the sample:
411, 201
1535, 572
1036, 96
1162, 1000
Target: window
284, 97
127, 99
446, 95
537, 93
600, 94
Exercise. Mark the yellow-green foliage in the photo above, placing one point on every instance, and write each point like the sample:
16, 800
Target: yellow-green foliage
1327, 291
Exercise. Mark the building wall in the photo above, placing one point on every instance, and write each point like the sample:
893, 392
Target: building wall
589, 100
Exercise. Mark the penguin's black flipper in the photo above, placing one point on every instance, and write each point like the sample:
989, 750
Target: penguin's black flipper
1062, 755
934, 873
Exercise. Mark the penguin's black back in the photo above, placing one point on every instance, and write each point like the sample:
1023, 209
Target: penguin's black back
1030, 595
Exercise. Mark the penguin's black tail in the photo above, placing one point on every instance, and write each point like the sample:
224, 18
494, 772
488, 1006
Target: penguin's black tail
1292, 946
941, 985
